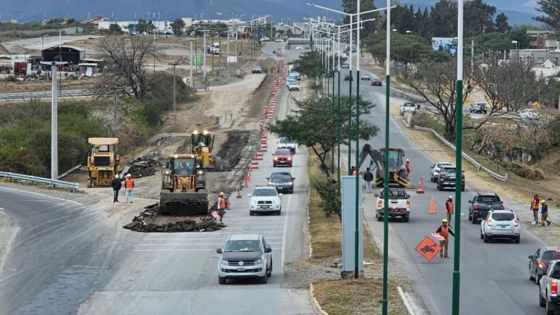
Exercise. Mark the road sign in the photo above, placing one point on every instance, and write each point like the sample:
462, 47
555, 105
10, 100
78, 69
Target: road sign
428, 248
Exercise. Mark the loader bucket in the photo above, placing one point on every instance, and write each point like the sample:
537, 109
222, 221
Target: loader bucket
183, 203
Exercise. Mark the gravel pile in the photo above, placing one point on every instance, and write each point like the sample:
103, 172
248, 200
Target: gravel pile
146, 165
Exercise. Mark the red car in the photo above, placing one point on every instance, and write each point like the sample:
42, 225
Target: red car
282, 157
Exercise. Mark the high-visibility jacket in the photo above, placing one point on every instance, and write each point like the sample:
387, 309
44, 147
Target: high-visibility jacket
535, 203
408, 167
129, 183
444, 232
449, 206
222, 203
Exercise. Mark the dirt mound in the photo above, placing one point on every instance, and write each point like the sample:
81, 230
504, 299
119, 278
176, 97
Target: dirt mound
150, 220
550, 163
526, 171
230, 152
146, 165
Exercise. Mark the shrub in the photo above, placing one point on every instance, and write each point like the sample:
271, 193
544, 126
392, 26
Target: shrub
526, 171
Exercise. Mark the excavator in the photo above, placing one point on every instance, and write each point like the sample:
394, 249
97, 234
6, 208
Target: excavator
102, 161
397, 172
201, 146
183, 186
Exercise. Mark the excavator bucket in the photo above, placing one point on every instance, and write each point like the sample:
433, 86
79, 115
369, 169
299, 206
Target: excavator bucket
183, 203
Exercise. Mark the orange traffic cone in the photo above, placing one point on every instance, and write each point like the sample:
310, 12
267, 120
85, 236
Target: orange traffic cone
420, 189
432, 208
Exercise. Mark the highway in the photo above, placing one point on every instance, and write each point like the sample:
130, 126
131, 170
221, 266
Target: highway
494, 277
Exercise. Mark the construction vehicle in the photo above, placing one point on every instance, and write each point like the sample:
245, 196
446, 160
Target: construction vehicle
201, 146
102, 162
397, 172
183, 186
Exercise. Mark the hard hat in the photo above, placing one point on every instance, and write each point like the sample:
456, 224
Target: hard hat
117, 176
407, 160
444, 220
128, 175
543, 201
221, 193
450, 197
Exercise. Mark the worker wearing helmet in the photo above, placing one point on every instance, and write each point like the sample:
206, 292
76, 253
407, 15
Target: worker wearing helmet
117, 185
449, 208
444, 230
544, 213
221, 205
408, 168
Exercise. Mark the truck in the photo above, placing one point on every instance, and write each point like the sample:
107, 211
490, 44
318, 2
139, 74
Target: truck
399, 205
548, 288
409, 107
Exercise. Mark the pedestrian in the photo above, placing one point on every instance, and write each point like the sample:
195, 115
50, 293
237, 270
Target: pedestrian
221, 205
535, 202
408, 168
368, 178
117, 185
444, 230
449, 208
128, 187
544, 213
353, 170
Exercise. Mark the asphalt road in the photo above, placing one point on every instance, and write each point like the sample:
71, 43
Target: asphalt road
494, 277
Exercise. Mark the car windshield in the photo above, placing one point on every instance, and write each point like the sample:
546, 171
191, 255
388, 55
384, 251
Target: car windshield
551, 255
184, 167
448, 170
488, 199
283, 141
265, 192
243, 246
282, 152
503, 216
277, 178
395, 194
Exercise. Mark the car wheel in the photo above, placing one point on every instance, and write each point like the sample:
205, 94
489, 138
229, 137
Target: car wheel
379, 218
264, 279
542, 301
486, 239
474, 219
405, 218
531, 277
222, 280
270, 270
251, 213
538, 279
517, 240
462, 188
481, 235
550, 308
439, 187
278, 212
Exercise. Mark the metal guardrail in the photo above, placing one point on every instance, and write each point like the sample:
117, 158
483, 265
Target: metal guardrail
478, 166
35, 179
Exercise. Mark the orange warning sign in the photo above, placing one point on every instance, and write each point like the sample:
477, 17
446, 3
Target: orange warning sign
428, 248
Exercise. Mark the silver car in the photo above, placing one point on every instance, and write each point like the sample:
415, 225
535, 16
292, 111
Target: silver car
434, 170
500, 224
245, 256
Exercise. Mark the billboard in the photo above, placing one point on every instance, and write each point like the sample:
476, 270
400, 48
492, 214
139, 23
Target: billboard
448, 44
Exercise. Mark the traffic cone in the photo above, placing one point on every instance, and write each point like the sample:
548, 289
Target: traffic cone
432, 208
420, 189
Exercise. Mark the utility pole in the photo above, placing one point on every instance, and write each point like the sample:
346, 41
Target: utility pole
472, 58
191, 64
357, 215
154, 49
174, 93
204, 72
54, 123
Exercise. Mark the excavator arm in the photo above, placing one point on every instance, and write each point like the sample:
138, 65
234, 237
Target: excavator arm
376, 157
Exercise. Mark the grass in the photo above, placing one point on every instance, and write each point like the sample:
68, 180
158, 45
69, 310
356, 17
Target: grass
345, 296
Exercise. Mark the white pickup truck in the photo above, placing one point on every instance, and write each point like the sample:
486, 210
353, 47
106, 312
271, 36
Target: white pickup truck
399, 204
548, 291
408, 107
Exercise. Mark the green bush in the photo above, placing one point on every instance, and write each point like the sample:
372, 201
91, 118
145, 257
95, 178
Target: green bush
422, 119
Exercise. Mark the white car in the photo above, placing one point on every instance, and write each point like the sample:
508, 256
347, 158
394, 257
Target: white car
365, 76
529, 113
265, 199
245, 256
408, 107
500, 224
298, 48
436, 168
345, 65
288, 144
293, 86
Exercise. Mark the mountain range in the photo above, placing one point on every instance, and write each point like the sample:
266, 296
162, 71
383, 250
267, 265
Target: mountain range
518, 11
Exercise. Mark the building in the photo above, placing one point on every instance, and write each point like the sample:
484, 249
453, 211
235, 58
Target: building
72, 55
126, 26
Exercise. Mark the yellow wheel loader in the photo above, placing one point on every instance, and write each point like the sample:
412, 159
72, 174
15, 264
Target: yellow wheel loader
183, 186
202, 145
102, 162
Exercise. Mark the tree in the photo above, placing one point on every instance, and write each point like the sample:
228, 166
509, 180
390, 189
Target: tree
443, 18
402, 19
115, 28
502, 25
309, 64
145, 26
177, 26
551, 9
312, 125
365, 5
125, 73
478, 18
406, 48
490, 43
435, 83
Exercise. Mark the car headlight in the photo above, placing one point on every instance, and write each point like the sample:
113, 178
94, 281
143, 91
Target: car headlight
258, 261
224, 262
290, 183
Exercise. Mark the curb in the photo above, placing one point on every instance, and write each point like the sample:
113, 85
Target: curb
316, 304
405, 301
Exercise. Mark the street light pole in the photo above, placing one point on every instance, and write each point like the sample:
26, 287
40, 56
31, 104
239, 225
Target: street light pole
357, 214
350, 101
54, 123
384, 301
339, 138
458, 162
191, 64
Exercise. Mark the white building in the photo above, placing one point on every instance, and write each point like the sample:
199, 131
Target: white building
126, 26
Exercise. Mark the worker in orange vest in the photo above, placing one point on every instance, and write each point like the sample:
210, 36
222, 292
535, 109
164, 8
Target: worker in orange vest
128, 186
535, 202
221, 205
449, 208
444, 230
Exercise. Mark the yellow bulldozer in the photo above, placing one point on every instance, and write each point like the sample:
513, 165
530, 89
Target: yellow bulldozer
202, 145
102, 162
183, 186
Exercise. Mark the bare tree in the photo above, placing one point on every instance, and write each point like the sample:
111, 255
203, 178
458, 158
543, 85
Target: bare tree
124, 56
435, 83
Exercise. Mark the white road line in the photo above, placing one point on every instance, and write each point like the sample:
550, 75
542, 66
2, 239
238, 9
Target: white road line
42, 195
188, 244
285, 232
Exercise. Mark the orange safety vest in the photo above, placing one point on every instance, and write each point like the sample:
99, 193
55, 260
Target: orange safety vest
449, 206
444, 231
535, 204
129, 183
222, 204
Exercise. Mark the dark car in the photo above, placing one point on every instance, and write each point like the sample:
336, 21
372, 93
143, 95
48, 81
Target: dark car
479, 108
538, 262
282, 157
348, 78
376, 82
481, 203
283, 181
446, 178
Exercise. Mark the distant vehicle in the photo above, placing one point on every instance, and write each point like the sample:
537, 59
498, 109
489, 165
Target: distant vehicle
298, 48
344, 55
399, 204
257, 69
345, 65
478, 108
548, 289
539, 261
282, 157
446, 178
265, 199
434, 170
279, 40
293, 85
245, 256
290, 81
408, 107
529, 113
283, 181
348, 78
480, 204
284, 143
376, 82
365, 77
500, 224
294, 74
264, 39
